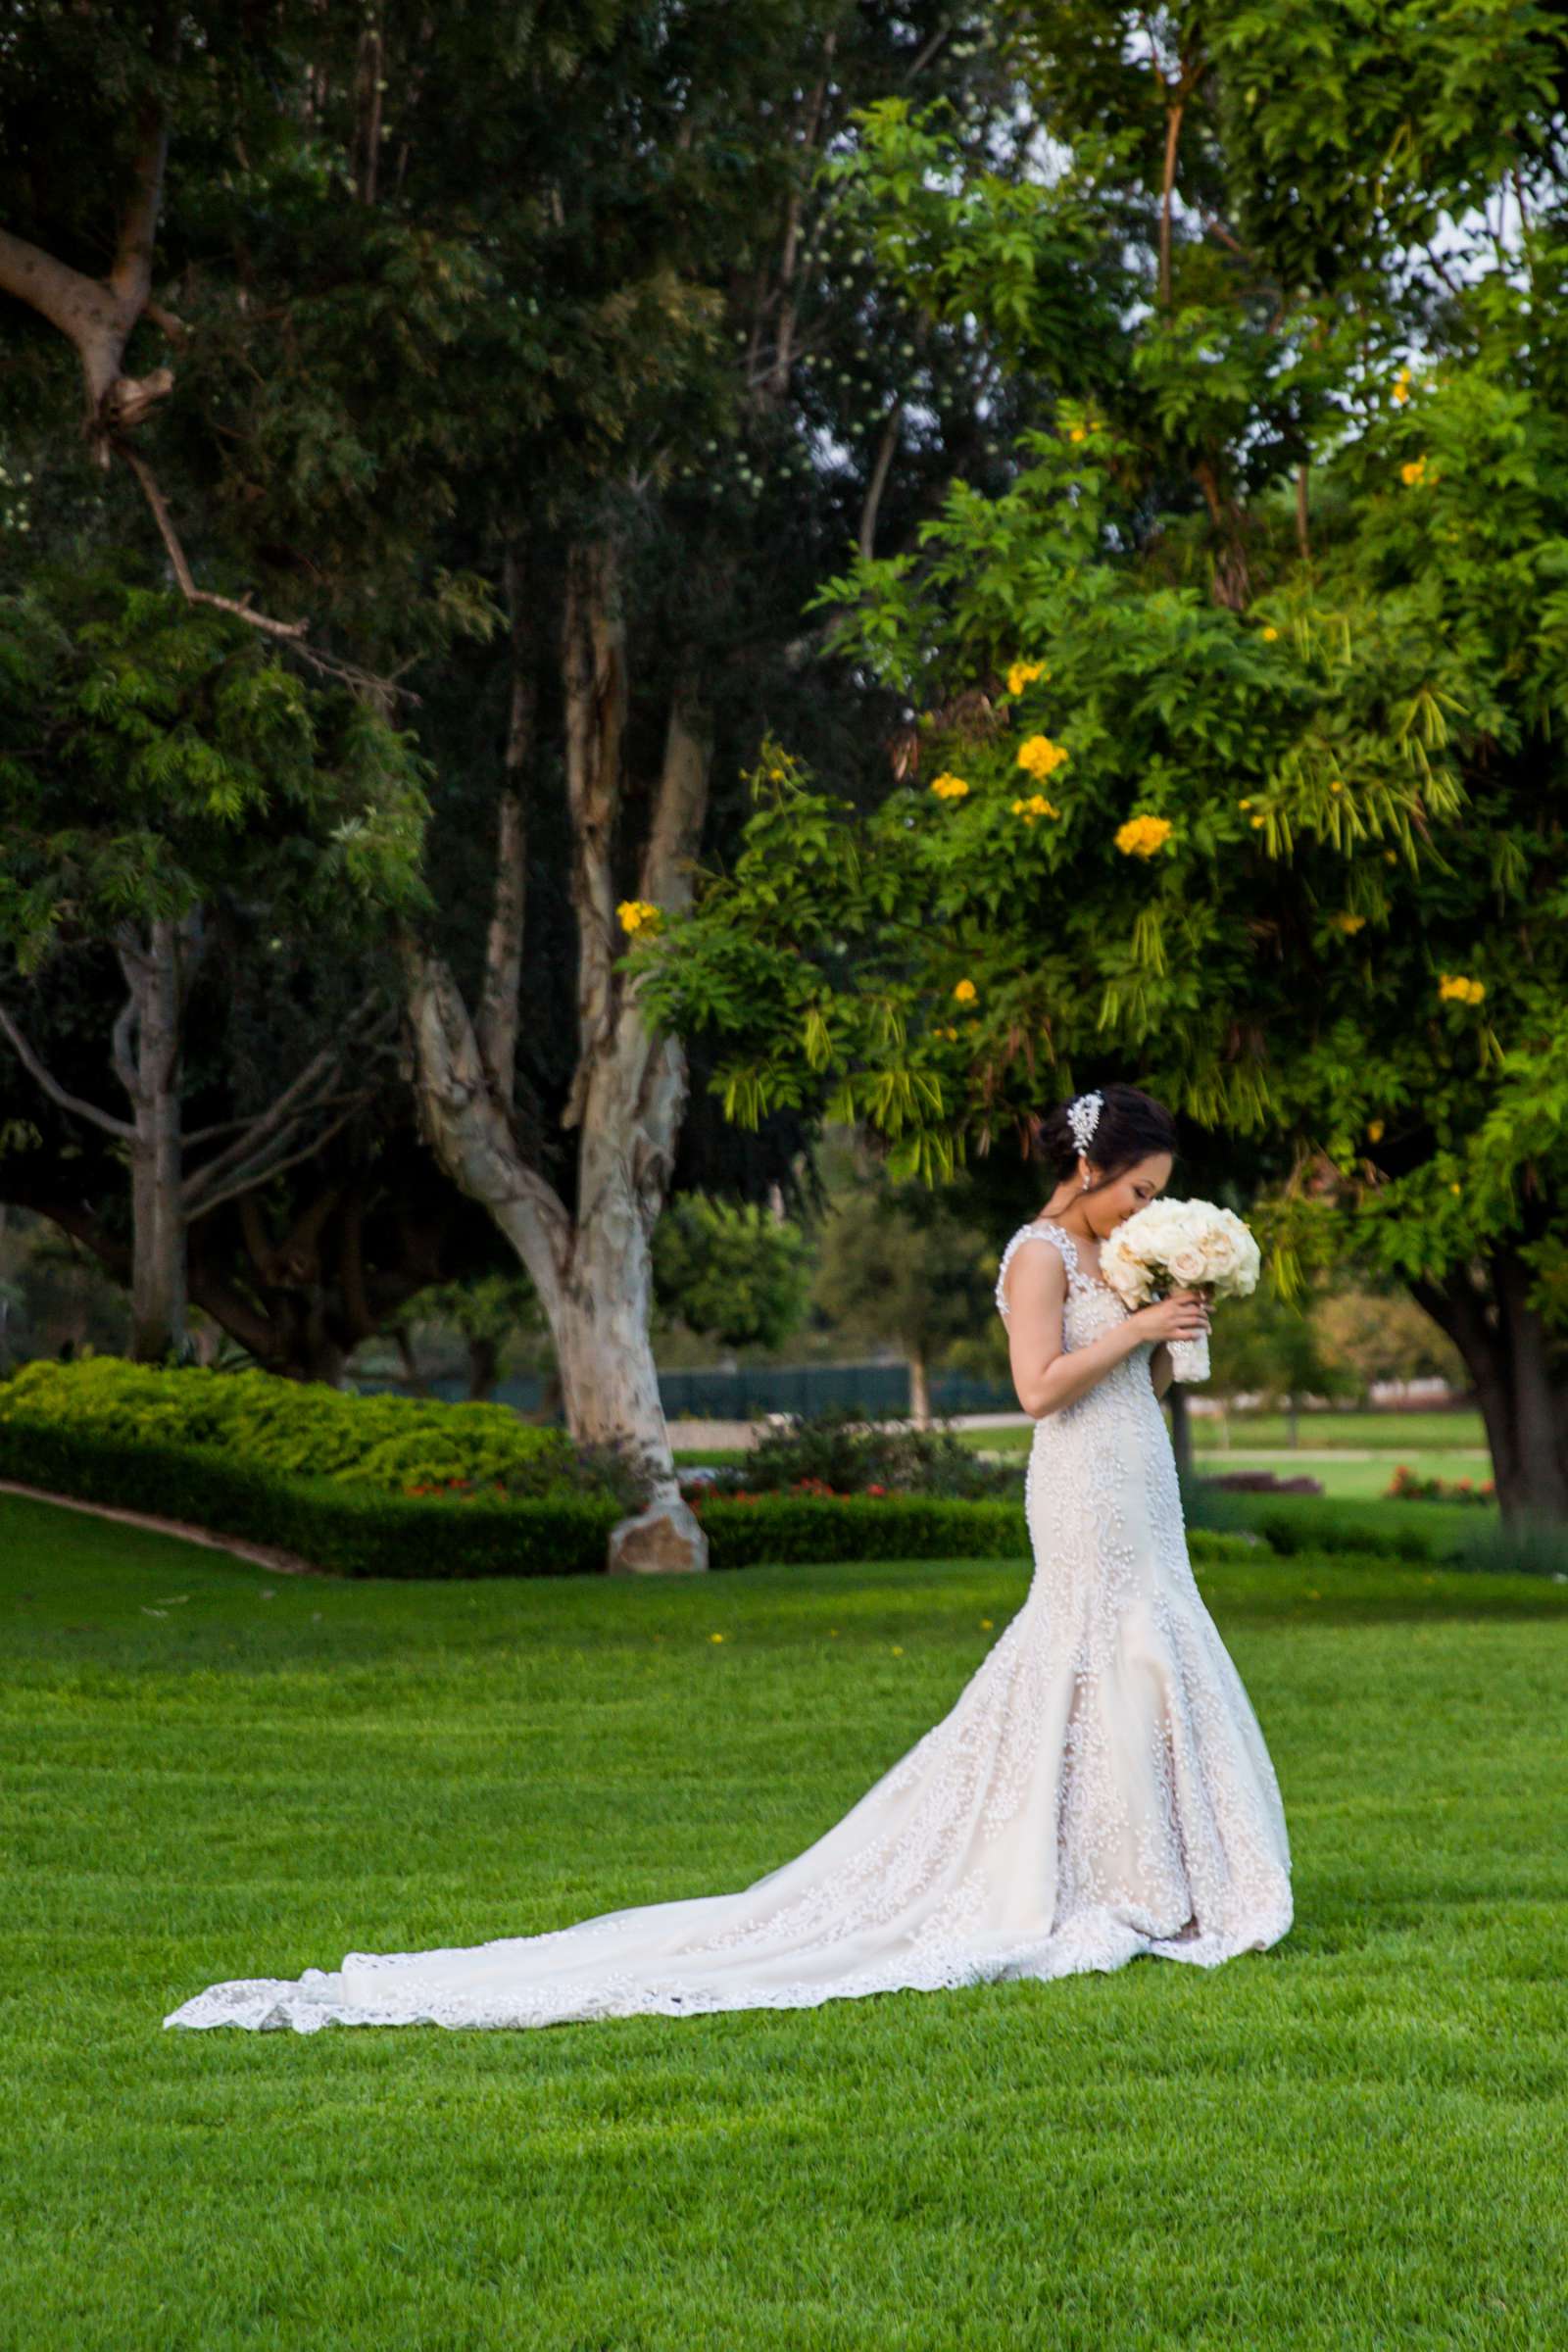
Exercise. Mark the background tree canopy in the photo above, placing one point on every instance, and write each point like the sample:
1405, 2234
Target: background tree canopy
1042, 526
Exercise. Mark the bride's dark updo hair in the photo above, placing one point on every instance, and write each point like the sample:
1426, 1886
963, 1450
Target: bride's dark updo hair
1130, 1126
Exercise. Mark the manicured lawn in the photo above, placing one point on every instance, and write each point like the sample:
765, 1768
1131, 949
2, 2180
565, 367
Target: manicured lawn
1438, 1437
1356, 2139
1349, 1480
1394, 1433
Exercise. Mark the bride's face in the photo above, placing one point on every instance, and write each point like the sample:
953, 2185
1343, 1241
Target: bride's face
1128, 1193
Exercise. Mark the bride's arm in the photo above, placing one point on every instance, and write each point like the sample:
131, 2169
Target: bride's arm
1045, 1374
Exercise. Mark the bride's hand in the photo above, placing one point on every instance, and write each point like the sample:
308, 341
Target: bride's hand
1184, 1315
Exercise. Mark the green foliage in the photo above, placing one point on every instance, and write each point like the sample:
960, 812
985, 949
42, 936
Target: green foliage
899, 1264
837, 1451
154, 755
346, 1531
490, 1307
729, 1270
298, 1428
1273, 608
1262, 1346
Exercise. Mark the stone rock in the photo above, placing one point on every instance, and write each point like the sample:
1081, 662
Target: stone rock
665, 1540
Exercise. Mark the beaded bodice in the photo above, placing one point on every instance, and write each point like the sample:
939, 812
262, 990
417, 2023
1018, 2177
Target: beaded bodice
1091, 1305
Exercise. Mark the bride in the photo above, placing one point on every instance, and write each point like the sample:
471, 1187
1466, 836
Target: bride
1098, 1790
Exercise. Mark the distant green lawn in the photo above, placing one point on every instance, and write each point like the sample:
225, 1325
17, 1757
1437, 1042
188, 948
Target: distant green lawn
1356, 2139
1392, 1437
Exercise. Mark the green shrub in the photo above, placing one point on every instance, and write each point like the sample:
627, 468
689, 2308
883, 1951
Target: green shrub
833, 1451
1531, 1546
358, 1531
1294, 1522
349, 1531
305, 1427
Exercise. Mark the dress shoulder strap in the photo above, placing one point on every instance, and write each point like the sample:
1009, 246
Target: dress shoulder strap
1039, 1231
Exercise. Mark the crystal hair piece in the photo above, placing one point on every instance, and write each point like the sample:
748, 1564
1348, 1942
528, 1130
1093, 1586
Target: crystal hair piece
1083, 1117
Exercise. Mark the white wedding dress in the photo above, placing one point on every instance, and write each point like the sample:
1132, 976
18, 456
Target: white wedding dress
1100, 1788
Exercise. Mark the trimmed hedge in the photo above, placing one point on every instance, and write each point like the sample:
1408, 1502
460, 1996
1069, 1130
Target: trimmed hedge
303, 1429
352, 1533
1294, 1523
345, 1528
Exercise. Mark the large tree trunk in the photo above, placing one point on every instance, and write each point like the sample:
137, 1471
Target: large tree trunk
146, 1054
592, 1269
1520, 1376
485, 1367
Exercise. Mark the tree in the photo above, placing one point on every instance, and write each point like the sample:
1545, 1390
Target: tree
1264, 1347
486, 1312
1233, 723
158, 765
1384, 1337
898, 1264
734, 1273
548, 322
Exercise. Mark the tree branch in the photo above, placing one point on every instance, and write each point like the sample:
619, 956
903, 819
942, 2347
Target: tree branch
58, 1094
263, 1169
282, 1114
879, 476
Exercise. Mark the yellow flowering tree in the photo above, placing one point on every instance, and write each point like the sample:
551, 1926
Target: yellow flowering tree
1234, 757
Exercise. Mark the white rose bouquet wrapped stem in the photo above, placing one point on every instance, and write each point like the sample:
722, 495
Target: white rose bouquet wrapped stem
1181, 1244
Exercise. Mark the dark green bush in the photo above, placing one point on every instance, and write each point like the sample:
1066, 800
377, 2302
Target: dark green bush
1290, 1525
355, 1532
1531, 1546
390, 1445
350, 1531
835, 1452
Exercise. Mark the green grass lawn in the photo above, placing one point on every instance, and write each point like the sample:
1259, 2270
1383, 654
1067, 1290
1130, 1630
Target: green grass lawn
1356, 2139
1393, 1432
1350, 1481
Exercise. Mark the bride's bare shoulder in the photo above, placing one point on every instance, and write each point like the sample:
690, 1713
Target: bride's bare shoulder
1028, 1277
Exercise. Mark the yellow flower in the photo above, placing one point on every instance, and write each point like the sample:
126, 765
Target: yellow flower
898, 1650
1402, 385
1024, 673
1257, 821
1075, 432
965, 992
949, 788
1244, 803
1142, 836
637, 915
1413, 472
1455, 1188
1350, 924
985, 1625
716, 1636
1035, 806
1269, 634
1455, 984
1039, 756
1374, 1131
1336, 784
1476, 991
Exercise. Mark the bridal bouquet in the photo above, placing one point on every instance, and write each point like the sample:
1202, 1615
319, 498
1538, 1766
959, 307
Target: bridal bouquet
1181, 1244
